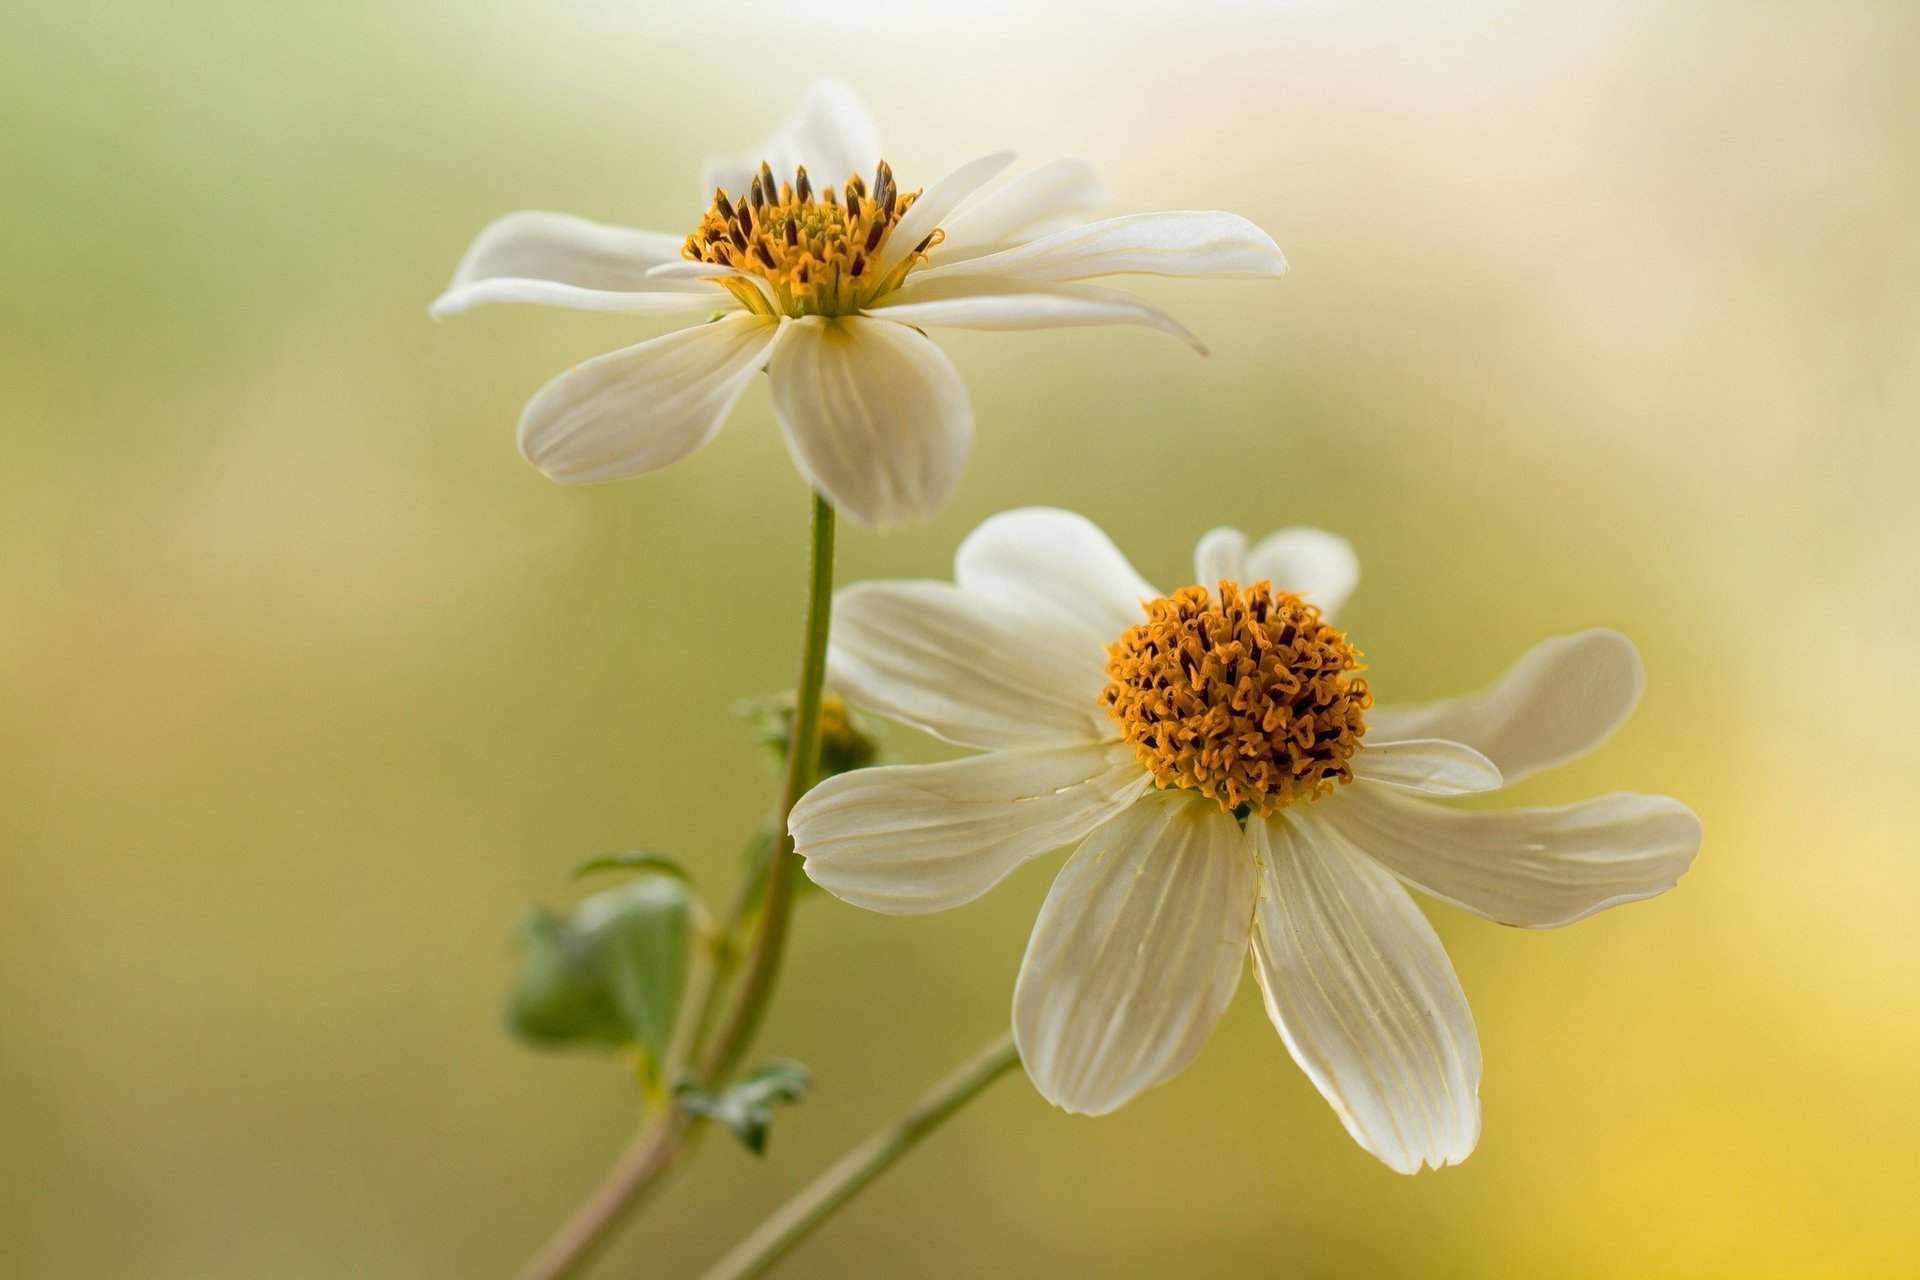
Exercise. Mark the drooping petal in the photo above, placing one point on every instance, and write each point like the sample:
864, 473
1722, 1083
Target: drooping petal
1432, 765
1056, 568
938, 200
1221, 556
1136, 953
1161, 244
1364, 996
874, 415
1561, 700
832, 133
965, 669
1534, 868
1318, 566
641, 408
1044, 199
989, 302
558, 259
907, 839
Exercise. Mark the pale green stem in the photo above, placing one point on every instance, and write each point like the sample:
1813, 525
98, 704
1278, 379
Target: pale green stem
661, 1140
840, 1182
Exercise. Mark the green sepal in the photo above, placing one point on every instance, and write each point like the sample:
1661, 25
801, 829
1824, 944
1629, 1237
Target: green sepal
847, 742
745, 1107
609, 974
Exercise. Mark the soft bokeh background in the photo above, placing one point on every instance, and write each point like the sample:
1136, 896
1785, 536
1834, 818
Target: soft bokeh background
1600, 314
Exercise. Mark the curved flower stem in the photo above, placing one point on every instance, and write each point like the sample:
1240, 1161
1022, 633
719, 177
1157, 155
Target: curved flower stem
661, 1140
844, 1179
803, 760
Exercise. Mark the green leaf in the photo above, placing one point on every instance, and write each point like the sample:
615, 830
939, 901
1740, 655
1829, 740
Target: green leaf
745, 1107
610, 973
644, 860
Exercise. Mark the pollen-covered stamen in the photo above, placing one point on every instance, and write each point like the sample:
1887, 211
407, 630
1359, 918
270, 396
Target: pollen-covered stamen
1252, 700
814, 250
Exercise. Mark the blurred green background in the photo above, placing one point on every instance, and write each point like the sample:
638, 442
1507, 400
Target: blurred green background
1600, 314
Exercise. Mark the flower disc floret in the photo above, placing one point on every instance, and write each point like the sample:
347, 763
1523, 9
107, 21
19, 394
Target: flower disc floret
815, 250
1253, 699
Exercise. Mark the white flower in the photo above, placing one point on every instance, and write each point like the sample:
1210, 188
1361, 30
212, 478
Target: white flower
826, 278
1205, 753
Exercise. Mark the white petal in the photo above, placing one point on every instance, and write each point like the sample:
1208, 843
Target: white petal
1220, 557
561, 260
1318, 566
1365, 998
934, 205
1561, 700
546, 293
641, 408
913, 838
1432, 765
1535, 868
1161, 244
1044, 199
1136, 953
965, 669
684, 269
874, 415
832, 133
1056, 568
989, 302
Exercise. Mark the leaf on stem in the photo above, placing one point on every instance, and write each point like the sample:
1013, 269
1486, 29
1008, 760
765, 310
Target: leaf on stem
745, 1107
642, 860
610, 973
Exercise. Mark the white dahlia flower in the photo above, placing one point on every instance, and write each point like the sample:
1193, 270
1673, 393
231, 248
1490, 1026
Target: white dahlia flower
820, 269
1214, 759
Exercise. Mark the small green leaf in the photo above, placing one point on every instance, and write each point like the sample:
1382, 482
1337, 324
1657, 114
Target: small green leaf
635, 860
745, 1107
609, 973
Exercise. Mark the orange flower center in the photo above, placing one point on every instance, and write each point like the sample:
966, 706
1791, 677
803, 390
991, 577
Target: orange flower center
816, 251
1253, 701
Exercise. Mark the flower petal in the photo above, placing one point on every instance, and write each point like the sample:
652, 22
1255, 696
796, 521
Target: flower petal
989, 302
1056, 568
1136, 953
1364, 996
907, 839
1311, 563
1535, 868
641, 408
556, 258
1561, 700
1044, 199
832, 133
1432, 765
1220, 557
1161, 244
965, 669
874, 415
936, 202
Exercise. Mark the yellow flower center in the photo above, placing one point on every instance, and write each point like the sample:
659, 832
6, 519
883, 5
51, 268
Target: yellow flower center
815, 250
1253, 701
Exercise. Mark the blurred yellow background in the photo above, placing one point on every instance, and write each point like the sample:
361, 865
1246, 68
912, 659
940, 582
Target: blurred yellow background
1599, 314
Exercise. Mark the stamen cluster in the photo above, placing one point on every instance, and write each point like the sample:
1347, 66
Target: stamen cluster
815, 250
1253, 701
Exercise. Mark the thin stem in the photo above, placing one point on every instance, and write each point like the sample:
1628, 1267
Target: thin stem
639, 1168
661, 1140
803, 761
844, 1179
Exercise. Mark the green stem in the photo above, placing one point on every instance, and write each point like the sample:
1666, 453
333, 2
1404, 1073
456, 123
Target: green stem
661, 1140
844, 1179
803, 760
